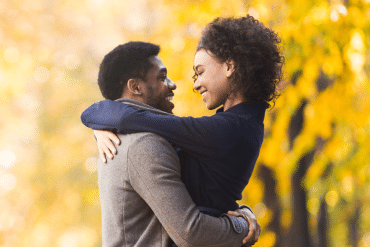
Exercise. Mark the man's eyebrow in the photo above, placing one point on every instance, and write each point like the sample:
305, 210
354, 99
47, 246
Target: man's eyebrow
163, 70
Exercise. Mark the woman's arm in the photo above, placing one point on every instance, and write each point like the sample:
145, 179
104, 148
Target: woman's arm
205, 135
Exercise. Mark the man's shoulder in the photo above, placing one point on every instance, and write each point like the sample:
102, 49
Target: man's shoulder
148, 151
144, 142
135, 137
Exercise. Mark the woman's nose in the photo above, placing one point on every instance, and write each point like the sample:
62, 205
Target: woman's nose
196, 85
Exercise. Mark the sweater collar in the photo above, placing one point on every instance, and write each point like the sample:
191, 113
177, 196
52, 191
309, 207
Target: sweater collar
254, 108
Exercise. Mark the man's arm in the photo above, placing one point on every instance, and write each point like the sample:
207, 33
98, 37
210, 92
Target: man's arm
154, 173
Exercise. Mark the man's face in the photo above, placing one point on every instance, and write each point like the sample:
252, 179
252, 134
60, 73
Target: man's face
158, 87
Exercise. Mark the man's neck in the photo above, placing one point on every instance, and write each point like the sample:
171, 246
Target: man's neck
141, 105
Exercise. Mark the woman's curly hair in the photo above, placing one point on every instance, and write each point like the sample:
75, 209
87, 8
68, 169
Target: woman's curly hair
255, 51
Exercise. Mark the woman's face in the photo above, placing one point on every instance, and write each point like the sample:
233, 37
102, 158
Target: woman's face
212, 79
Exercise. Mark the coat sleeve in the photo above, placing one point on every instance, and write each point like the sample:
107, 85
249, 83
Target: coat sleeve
154, 173
200, 136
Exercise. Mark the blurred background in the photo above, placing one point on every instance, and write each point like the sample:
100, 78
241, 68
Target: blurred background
311, 184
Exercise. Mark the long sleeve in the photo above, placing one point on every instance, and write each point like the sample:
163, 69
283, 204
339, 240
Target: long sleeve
202, 136
154, 173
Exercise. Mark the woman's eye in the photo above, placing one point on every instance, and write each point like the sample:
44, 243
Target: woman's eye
195, 77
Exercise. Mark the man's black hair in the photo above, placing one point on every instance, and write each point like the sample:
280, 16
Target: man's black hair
127, 61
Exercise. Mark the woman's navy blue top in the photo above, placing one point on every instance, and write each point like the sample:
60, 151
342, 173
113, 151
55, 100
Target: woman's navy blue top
218, 153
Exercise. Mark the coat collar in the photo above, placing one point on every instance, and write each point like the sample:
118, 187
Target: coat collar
141, 105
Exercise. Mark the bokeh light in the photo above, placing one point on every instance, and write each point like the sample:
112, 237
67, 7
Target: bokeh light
260, 210
41, 234
254, 12
177, 44
7, 158
365, 241
334, 15
69, 239
71, 61
313, 205
41, 74
332, 198
11, 55
7, 181
91, 164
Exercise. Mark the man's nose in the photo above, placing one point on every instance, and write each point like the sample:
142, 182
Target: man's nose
170, 84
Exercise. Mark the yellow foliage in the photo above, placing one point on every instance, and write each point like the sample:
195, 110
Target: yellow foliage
313, 205
331, 198
263, 214
319, 14
254, 193
286, 219
267, 239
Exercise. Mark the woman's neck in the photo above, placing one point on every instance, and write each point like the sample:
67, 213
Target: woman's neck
233, 100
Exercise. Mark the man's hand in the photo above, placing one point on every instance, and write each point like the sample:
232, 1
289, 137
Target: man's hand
105, 140
254, 226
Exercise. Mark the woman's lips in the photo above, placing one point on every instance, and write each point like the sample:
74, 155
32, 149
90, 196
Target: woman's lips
204, 94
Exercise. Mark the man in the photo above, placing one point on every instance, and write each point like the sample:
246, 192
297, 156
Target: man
143, 200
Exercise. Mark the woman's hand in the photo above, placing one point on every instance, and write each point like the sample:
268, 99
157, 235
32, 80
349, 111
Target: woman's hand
106, 140
254, 226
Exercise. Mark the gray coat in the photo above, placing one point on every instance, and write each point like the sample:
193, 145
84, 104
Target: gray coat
145, 203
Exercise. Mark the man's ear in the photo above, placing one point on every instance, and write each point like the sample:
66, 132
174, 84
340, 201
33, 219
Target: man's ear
230, 67
134, 87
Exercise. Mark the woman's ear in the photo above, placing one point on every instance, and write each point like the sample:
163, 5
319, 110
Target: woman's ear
134, 87
230, 67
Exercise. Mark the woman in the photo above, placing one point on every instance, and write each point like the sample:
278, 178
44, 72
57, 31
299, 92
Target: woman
237, 66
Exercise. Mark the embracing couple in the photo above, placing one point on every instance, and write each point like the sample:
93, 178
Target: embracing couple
174, 181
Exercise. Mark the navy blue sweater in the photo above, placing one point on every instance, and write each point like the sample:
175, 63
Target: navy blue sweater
218, 153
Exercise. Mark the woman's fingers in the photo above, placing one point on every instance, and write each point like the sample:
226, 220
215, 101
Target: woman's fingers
258, 231
254, 229
253, 233
232, 213
106, 150
109, 146
106, 140
102, 154
114, 138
